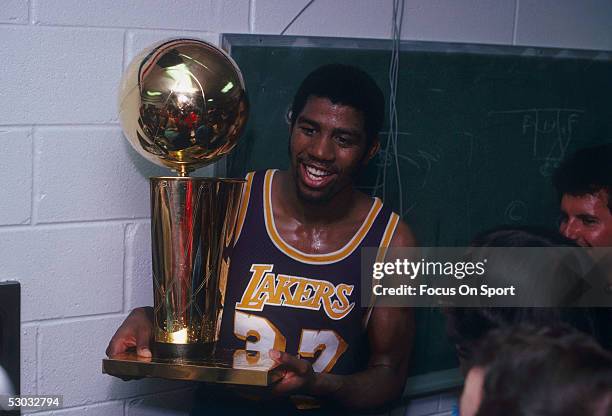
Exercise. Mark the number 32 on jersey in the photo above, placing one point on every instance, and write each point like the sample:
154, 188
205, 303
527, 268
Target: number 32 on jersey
261, 335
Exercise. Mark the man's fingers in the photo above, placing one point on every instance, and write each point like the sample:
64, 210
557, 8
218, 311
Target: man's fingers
119, 344
109, 349
286, 382
135, 331
144, 352
285, 387
143, 341
300, 366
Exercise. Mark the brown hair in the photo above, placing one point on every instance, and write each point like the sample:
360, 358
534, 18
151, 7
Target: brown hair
554, 370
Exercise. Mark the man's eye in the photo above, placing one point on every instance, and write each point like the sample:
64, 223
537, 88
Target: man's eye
590, 221
343, 141
307, 131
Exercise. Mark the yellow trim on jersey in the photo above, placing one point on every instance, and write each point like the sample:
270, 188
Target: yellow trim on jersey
296, 254
387, 236
244, 203
385, 241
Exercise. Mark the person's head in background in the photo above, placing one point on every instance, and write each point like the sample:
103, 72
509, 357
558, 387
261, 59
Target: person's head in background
545, 371
467, 326
584, 184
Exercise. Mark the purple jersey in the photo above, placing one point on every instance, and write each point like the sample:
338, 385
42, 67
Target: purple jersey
282, 298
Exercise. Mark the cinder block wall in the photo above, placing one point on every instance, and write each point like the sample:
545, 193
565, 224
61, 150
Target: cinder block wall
74, 226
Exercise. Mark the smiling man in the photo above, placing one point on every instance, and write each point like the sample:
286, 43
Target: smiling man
293, 288
584, 183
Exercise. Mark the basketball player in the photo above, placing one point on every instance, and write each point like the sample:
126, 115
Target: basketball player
294, 283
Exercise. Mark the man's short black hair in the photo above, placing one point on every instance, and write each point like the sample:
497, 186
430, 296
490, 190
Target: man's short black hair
587, 171
347, 85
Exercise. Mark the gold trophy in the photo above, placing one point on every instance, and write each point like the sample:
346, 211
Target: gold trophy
183, 105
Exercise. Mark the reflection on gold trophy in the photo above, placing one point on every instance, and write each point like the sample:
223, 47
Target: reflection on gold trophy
182, 105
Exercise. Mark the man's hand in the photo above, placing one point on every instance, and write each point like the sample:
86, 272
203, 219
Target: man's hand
297, 375
136, 331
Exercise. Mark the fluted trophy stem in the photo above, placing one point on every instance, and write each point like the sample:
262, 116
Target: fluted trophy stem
192, 230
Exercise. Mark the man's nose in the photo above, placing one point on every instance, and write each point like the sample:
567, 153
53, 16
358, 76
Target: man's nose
570, 229
322, 148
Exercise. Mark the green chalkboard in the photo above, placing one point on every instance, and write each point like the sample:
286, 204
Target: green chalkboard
481, 129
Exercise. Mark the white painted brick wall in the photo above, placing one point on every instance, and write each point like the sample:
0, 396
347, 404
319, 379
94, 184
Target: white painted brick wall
14, 11
103, 409
368, 18
138, 282
28, 359
113, 186
137, 40
59, 75
208, 15
479, 21
74, 226
65, 271
583, 24
16, 174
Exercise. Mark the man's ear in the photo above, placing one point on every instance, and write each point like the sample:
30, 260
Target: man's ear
290, 123
372, 150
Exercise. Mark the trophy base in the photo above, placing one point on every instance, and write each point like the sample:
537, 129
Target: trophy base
240, 367
165, 350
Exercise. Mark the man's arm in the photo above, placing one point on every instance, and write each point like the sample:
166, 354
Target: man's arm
390, 335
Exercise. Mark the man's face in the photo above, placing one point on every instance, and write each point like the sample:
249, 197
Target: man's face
586, 219
471, 397
328, 147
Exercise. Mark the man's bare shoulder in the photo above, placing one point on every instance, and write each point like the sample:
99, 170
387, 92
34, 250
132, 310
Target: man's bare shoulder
403, 236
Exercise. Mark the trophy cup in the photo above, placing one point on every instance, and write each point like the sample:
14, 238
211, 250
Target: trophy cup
183, 105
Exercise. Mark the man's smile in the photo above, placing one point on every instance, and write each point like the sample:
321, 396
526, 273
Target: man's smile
315, 176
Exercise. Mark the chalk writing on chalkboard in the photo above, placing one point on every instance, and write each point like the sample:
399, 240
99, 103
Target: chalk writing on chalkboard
516, 211
416, 164
551, 131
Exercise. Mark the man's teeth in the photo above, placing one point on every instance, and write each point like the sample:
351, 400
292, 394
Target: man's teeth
317, 172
